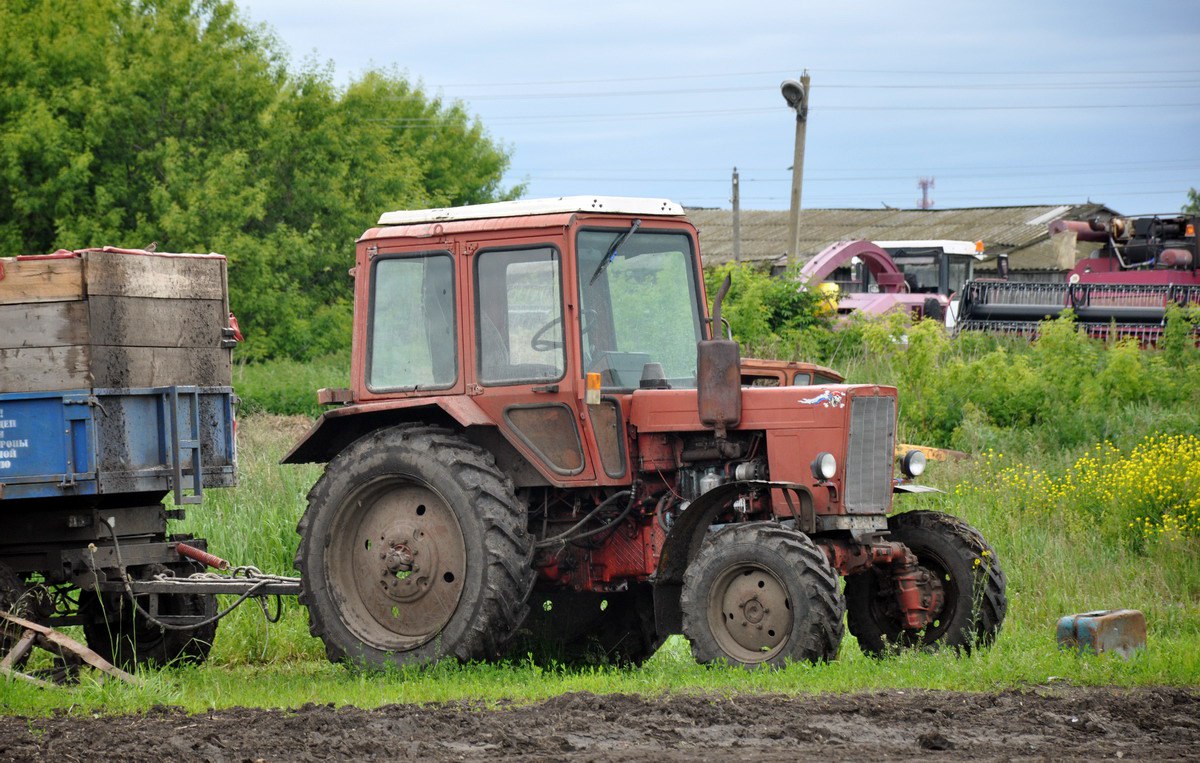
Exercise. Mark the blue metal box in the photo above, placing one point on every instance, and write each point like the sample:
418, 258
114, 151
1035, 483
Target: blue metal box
107, 441
1115, 630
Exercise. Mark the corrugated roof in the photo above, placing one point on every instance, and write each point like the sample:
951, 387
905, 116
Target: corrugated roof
764, 233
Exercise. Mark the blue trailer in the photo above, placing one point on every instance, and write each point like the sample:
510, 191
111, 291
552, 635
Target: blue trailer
116, 414
63, 445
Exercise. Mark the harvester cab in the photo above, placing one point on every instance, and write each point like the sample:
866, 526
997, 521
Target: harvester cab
923, 277
547, 449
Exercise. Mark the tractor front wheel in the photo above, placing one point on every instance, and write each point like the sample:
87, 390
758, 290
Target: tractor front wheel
972, 583
414, 548
760, 594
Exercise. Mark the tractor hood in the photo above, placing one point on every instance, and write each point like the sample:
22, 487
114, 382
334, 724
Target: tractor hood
763, 408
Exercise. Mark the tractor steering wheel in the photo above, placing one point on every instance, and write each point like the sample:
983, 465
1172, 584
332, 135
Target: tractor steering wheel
540, 344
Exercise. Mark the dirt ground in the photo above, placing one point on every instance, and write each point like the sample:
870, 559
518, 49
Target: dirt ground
1143, 724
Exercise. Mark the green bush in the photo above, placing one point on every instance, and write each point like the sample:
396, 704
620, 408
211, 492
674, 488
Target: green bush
288, 387
762, 309
977, 390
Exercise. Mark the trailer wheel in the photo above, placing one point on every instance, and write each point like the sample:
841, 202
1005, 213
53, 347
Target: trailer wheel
972, 583
414, 548
579, 629
760, 594
11, 601
121, 635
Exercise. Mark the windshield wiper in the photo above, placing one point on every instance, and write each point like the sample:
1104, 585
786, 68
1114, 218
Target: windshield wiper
612, 250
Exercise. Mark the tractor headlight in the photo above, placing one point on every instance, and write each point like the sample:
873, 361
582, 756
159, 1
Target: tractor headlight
824, 466
913, 463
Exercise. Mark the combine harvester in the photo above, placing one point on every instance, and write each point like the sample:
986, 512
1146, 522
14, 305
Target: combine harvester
876, 277
1122, 290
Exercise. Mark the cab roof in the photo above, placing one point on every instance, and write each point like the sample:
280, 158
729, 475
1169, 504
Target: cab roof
618, 205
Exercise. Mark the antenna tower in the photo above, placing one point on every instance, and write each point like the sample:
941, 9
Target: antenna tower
925, 184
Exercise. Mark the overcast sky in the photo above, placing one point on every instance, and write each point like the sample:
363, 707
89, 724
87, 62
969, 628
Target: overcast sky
1002, 102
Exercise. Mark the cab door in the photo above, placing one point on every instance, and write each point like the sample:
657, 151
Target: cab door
520, 369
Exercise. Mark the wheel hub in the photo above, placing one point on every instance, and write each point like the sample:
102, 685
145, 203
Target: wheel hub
408, 564
750, 613
402, 551
754, 611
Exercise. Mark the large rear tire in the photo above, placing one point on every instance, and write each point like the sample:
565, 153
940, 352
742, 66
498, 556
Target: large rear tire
120, 634
413, 549
973, 588
760, 594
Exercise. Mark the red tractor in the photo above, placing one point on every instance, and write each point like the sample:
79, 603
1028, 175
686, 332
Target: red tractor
548, 449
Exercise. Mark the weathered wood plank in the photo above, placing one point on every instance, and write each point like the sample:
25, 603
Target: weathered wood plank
149, 322
160, 366
43, 324
44, 369
155, 276
41, 280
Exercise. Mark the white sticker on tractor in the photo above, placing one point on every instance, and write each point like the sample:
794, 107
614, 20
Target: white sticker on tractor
827, 399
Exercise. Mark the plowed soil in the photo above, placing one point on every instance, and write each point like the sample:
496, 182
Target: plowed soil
1143, 724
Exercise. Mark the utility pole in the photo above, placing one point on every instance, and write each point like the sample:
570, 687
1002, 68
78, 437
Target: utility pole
925, 184
737, 218
796, 95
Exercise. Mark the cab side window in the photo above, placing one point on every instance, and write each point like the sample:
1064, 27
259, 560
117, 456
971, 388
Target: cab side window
412, 323
519, 323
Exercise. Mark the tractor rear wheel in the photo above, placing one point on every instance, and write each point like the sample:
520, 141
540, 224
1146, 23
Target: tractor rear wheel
116, 631
414, 548
579, 628
760, 594
972, 582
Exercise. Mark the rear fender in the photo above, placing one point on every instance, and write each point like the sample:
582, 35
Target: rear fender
339, 427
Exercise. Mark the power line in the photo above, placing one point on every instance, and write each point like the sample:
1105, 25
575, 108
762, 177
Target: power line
1058, 197
816, 177
792, 72
692, 114
590, 95
938, 168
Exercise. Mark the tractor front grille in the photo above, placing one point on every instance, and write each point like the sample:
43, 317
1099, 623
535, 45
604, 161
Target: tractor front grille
869, 454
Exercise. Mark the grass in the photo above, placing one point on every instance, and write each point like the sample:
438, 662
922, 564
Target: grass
1060, 558
288, 387
1055, 566
1017, 661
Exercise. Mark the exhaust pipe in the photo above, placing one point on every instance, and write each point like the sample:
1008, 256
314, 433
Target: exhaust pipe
719, 374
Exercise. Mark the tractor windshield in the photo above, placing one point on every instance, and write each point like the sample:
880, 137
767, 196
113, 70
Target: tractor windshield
642, 308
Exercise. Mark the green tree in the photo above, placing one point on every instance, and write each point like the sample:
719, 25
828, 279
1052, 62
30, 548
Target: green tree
129, 121
1193, 202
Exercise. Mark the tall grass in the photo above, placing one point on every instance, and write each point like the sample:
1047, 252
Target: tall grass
289, 387
1057, 560
1064, 541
